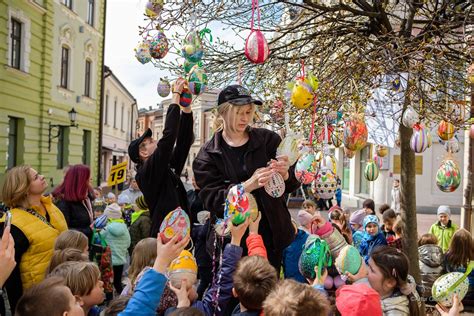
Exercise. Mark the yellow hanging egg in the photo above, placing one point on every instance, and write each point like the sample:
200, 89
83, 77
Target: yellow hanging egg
302, 94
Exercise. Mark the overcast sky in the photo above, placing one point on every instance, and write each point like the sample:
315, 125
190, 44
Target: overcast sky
123, 18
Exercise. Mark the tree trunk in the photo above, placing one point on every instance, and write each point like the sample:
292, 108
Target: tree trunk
470, 174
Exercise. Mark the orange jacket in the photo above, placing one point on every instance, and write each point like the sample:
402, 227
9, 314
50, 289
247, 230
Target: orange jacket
255, 245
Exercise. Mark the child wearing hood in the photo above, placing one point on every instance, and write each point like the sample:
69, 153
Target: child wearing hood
356, 221
373, 236
430, 261
117, 237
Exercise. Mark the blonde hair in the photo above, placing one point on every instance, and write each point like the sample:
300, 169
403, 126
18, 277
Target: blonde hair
80, 277
16, 185
294, 298
71, 239
65, 255
144, 255
223, 111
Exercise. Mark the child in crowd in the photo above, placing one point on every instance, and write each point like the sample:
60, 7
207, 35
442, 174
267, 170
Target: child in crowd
292, 254
458, 256
430, 261
116, 306
304, 218
127, 208
65, 255
358, 300
396, 196
140, 225
117, 237
338, 220
294, 298
388, 218
37, 300
369, 206
397, 241
98, 193
444, 228
356, 220
372, 237
83, 278
383, 208
110, 198
310, 206
72, 239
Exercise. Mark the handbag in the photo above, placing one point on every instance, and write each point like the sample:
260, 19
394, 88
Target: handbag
101, 254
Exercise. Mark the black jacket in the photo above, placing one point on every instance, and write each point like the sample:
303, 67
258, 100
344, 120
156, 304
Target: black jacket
215, 175
76, 215
159, 176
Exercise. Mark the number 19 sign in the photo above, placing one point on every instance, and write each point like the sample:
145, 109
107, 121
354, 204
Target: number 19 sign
117, 173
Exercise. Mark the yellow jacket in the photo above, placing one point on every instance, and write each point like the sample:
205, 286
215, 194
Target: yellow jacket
41, 238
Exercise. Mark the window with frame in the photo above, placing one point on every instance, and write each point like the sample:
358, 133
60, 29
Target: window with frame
115, 113
106, 114
90, 12
86, 147
61, 158
87, 83
12, 142
16, 29
64, 67
67, 3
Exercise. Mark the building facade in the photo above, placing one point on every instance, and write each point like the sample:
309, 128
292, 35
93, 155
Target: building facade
52, 57
120, 114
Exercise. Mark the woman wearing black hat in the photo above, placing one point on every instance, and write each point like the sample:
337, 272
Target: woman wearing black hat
238, 153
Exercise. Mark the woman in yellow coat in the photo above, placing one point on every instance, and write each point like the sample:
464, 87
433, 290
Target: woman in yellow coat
35, 225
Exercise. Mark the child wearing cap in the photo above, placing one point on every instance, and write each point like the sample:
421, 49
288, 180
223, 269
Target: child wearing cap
373, 237
358, 300
444, 228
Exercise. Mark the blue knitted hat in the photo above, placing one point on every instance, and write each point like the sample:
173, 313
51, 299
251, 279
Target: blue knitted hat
370, 219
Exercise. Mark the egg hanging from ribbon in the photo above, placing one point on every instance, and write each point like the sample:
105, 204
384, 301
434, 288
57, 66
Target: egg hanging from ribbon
197, 80
448, 176
163, 88
306, 168
256, 47
193, 49
445, 130
419, 139
452, 146
159, 45
355, 133
410, 117
153, 8
382, 151
325, 183
142, 52
175, 223
371, 171
276, 186
289, 147
302, 94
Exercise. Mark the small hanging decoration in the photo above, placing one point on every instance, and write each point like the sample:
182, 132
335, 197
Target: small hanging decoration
175, 223
325, 183
410, 117
418, 140
158, 45
289, 147
193, 49
371, 171
142, 52
349, 153
256, 46
445, 130
153, 8
381, 151
197, 79
186, 97
303, 90
355, 133
163, 88
452, 146
276, 186
306, 167
448, 177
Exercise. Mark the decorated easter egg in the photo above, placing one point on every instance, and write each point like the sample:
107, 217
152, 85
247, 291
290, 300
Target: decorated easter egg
186, 98
237, 205
381, 151
349, 260
336, 137
410, 117
183, 268
445, 130
256, 47
445, 287
153, 8
302, 94
192, 49
452, 146
159, 45
306, 168
419, 139
315, 253
253, 207
163, 88
289, 147
197, 79
329, 161
142, 52
175, 223
276, 186
325, 184
371, 171
448, 176
355, 133
349, 153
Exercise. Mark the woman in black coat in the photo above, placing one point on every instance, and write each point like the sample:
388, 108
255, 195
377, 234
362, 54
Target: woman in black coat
238, 153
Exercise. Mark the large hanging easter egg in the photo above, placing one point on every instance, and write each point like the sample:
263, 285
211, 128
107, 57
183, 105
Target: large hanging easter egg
163, 88
349, 153
192, 49
315, 253
348, 260
276, 186
381, 151
175, 223
355, 133
445, 130
410, 117
448, 177
306, 168
325, 184
336, 137
142, 52
419, 139
289, 147
159, 45
153, 8
444, 288
256, 47
371, 172
452, 146
197, 80
186, 98
302, 94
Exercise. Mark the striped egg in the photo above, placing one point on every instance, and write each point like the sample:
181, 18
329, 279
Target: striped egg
419, 139
371, 171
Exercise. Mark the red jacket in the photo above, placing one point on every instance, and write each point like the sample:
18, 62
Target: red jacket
255, 246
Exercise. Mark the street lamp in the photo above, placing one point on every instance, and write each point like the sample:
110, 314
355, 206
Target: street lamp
72, 118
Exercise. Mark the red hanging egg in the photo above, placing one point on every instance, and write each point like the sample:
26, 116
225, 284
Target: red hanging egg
256, 47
